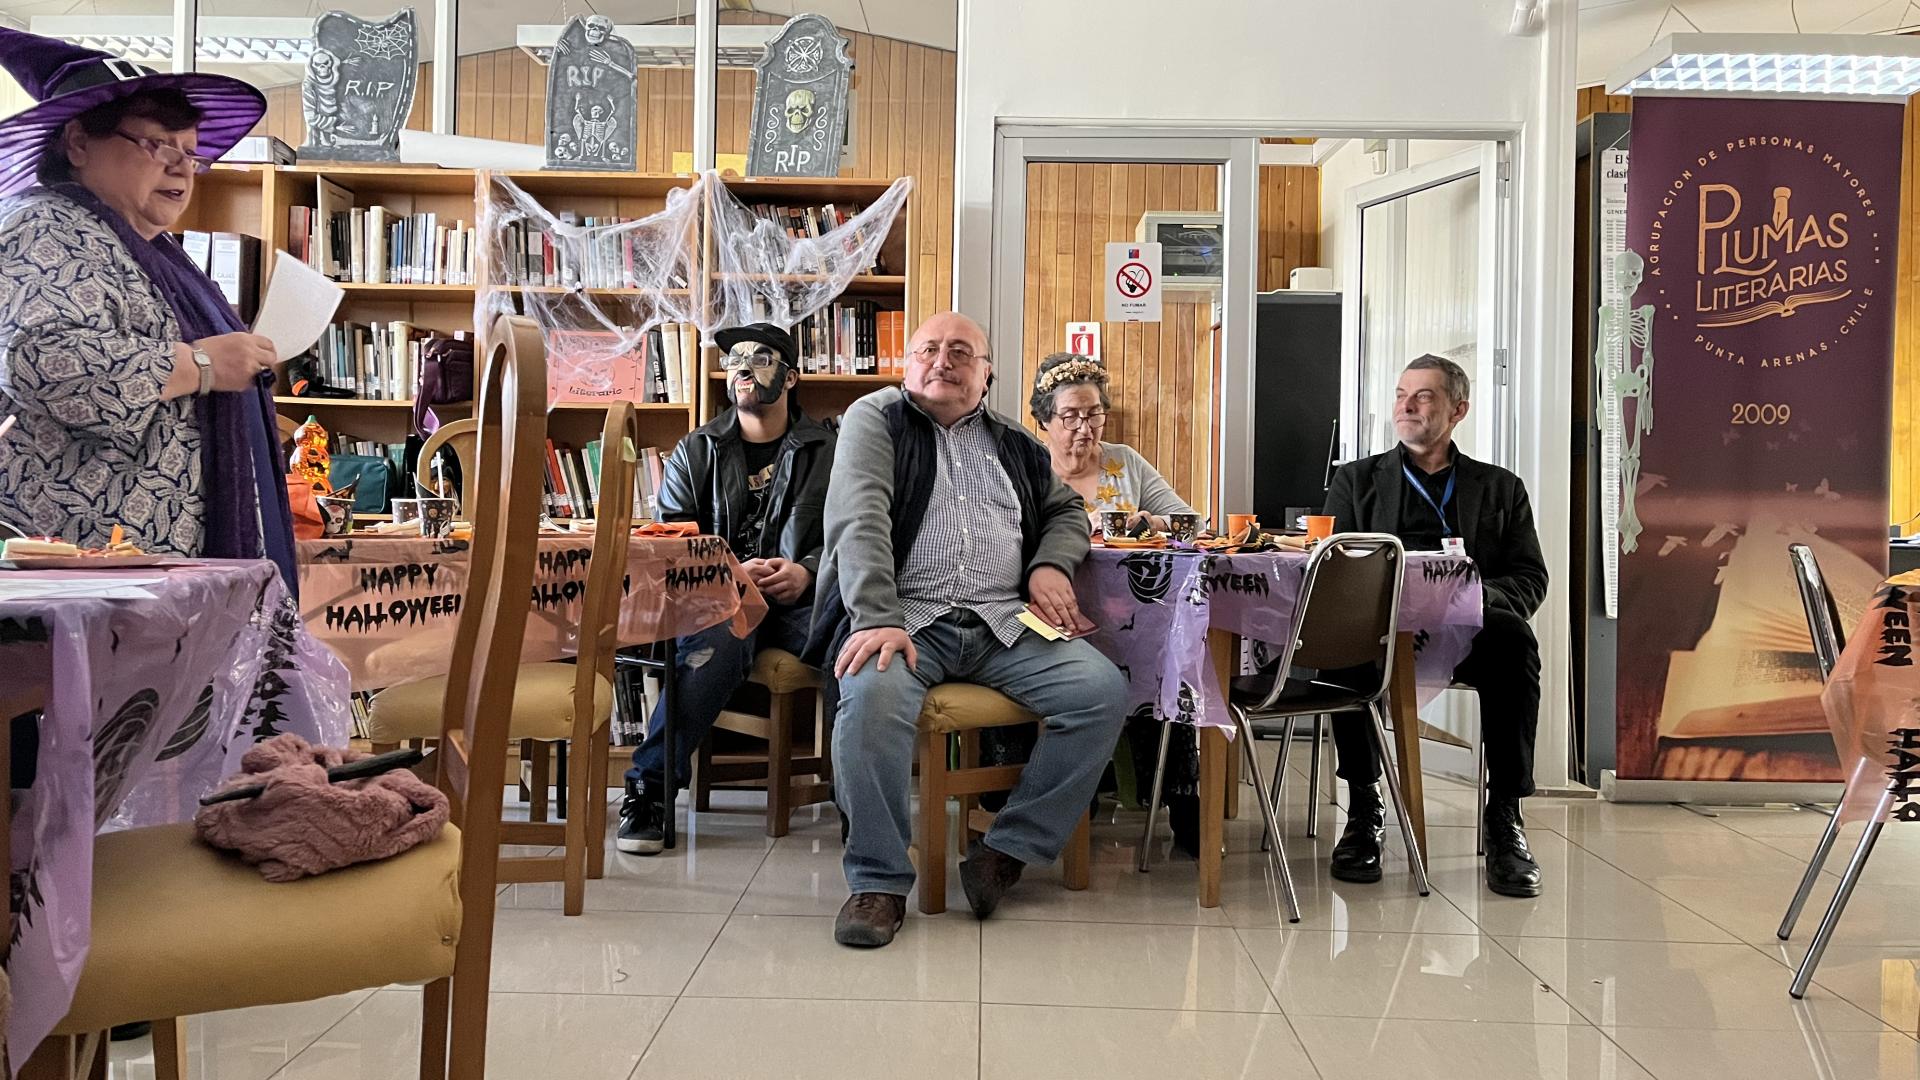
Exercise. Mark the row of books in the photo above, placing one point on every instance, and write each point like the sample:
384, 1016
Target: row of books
599, 365
606, 258
807, 222
853, 337
376, 361
232, 260
573, 481
379, 246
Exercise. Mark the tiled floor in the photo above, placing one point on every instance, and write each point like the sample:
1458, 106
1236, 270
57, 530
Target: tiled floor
1651, 954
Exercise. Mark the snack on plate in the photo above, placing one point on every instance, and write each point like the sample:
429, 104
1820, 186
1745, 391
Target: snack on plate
119, 550
21, 547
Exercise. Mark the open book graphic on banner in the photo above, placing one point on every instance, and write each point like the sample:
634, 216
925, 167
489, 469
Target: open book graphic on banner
1753, 671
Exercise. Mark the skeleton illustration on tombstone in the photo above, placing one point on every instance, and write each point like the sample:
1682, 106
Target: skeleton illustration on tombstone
320, 97
592, 97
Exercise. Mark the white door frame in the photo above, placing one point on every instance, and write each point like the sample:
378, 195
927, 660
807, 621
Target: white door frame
1492, 417
1238, 155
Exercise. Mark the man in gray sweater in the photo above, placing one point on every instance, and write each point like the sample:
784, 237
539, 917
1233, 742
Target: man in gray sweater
944, 522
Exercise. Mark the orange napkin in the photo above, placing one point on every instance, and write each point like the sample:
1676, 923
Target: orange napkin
668, 528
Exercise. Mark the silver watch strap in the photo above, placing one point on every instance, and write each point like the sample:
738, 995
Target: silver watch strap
205, 364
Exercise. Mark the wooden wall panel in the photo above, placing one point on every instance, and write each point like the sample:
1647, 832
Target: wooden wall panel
1162, 372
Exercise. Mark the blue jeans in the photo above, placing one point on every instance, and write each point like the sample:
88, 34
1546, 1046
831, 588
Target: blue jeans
1079, 694
710, 666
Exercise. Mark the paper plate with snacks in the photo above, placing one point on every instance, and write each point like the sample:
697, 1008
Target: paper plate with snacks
44, 553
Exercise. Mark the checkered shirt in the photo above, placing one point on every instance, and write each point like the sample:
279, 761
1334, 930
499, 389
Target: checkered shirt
967, 554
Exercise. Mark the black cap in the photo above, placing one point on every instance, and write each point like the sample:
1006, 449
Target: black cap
764, 333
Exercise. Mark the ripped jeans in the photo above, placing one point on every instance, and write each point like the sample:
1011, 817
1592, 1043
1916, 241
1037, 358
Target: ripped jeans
711, 666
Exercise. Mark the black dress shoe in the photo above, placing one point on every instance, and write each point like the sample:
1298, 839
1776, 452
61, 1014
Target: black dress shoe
1356, 857
986, 876
1511, 870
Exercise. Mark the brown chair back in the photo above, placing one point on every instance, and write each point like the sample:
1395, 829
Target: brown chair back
1823, 615
1349, 609
460, 437
506, 488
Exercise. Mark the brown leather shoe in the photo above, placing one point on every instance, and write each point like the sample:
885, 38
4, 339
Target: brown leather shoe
986, 876
869, 920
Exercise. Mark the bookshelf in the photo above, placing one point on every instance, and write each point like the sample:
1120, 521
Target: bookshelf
888, 287
257, 199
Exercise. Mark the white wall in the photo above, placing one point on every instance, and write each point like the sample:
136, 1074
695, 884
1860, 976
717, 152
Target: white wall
1443, 68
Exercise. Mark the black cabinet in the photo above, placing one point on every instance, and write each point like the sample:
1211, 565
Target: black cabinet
1296, 402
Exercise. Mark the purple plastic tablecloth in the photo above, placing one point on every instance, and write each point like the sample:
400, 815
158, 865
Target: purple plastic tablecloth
153, 700
1155, 607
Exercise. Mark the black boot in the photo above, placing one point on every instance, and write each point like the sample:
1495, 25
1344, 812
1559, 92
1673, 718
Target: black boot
1183, 813
1511, 870
1357, 856
643, 823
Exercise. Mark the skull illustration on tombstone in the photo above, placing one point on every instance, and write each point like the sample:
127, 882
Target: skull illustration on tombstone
799, 110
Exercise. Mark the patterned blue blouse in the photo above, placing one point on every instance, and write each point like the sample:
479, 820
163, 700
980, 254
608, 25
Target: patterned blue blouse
86, 345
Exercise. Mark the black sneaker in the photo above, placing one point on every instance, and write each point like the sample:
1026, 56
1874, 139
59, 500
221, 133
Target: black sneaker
643, 823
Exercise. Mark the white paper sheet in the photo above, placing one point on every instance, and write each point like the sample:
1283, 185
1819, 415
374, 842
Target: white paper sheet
299, 303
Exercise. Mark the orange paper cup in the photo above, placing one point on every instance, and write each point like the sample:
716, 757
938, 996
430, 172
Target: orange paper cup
1239, 523
1319, 527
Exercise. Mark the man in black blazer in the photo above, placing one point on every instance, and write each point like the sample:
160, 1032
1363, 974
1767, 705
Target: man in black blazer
1426, 492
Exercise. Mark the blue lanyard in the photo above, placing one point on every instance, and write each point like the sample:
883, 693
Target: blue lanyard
1440, 507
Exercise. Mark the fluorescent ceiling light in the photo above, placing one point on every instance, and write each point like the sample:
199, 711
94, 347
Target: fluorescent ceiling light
657, 45
1869, 66
148, 39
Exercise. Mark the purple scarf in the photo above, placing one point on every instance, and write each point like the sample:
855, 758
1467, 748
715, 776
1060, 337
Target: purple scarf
242, 490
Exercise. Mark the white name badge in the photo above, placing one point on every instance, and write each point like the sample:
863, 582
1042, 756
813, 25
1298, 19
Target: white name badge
1453, 545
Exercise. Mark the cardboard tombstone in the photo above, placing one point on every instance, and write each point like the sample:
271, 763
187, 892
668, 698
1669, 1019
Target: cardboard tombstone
800, 101
359, 86
593, 98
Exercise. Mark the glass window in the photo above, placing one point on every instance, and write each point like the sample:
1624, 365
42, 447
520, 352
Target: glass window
273, 51
137, 30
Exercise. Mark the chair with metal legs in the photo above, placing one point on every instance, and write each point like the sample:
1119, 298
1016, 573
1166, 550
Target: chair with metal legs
1823, 625
1347, 617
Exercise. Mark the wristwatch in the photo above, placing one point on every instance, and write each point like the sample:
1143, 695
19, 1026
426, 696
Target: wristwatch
205, 363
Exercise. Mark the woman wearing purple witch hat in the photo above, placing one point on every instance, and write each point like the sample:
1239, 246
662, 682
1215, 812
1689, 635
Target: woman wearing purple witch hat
140, 399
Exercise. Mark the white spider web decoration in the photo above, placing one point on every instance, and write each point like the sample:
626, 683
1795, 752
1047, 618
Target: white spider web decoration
385, 42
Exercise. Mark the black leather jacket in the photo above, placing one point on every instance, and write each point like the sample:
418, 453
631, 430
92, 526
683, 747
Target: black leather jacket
706, 482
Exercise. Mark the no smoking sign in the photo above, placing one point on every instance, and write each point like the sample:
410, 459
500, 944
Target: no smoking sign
1133, 282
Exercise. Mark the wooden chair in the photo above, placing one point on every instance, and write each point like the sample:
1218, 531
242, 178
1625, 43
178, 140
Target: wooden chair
181, 929
964, 710
459, 436
547, 708
789, 781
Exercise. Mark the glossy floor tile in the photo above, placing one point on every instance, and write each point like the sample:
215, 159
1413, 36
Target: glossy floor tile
529, 1037
1119, 965
751, 1038
795, 956
1650, 954
1406, 976
1692, 1054
1048, 1042
1616, 984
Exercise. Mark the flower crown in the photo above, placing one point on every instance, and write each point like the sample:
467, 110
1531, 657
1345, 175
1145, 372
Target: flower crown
1079, 369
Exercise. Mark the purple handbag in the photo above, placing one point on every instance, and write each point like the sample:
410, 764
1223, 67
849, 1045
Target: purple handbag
446, 377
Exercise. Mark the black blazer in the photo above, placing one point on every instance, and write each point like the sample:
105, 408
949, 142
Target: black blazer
1495, 516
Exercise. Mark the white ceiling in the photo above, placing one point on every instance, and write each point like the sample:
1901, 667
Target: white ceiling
1613, 32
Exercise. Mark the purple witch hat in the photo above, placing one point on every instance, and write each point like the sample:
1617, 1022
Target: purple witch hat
68, 80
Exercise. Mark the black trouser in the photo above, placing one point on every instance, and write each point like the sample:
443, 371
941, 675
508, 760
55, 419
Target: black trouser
1504, 667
